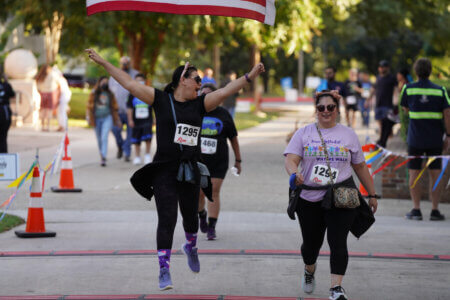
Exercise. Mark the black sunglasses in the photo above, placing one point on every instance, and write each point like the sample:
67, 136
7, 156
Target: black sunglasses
329, 107
197, 79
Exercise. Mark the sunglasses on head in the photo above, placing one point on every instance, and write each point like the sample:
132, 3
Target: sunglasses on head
329, 107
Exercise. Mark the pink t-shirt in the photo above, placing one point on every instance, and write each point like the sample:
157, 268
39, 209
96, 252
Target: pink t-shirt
343, 147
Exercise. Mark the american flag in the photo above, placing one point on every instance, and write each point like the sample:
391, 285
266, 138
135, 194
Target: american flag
260, 10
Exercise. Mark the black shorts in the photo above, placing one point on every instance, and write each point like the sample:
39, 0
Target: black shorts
353, 107
416, 163
217, 167
141, 133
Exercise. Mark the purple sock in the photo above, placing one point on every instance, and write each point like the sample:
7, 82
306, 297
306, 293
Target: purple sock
191, 240
164, 258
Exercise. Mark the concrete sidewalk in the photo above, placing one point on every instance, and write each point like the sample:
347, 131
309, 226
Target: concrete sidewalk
256, 253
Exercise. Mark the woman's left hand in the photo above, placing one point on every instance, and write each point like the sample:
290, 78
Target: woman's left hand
373, 204
94, 56
237, 165
257, 69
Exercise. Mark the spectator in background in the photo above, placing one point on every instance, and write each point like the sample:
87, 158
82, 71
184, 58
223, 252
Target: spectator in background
428, 105
208, 78
331, 84
384, 90
64, 99
6, 93
353, 90
48, 87
102, 112
140, 119
121, 95
230, 102
364, 78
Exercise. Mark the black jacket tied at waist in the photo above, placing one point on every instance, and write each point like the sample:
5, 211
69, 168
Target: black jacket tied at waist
364, 215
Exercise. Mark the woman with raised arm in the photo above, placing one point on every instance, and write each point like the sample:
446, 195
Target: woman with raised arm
328, 153
173, 176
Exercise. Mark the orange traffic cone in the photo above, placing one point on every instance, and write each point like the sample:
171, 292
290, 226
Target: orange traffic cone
366, 149
35, 220
66, 178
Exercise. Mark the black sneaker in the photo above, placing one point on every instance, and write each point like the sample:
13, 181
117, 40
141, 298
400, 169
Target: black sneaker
127, 159
414, 214
337, 293
119, 153
203, 222
436, 215
103, 162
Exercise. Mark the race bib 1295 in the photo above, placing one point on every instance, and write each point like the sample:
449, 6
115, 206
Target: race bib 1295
186, 134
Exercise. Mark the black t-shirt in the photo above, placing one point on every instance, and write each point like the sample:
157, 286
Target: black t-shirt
6, 92
384, 90
218, 125
189, 116
351, 94
142, 112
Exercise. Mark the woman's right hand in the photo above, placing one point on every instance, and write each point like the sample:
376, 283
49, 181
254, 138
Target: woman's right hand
299, 179
94, 56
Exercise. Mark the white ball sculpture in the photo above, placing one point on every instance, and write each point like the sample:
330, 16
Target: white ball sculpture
21, 64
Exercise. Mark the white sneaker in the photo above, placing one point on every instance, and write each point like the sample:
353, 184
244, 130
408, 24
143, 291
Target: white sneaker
137, 161
147, 158
337, 293
308, 282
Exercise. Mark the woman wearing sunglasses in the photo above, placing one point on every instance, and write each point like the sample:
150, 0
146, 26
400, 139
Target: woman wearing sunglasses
326, 158
173, 176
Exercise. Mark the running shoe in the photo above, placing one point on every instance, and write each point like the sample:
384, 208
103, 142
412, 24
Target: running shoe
103, 162
127, 159
211, 234
165, 282
192, 258
147, 159
137, 161
436, 215
203, 223
119, 153
414, 214
337, 293
308, 282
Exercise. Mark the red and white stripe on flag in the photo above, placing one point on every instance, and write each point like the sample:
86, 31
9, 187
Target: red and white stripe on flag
260, 10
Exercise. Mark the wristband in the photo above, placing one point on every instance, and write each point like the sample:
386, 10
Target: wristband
247, 78
373, 196
238, 160
292, 181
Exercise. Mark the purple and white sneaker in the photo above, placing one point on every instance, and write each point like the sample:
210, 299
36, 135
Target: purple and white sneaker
211, 234
192, 258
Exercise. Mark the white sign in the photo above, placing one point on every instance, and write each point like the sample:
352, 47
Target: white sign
291, 95
312, 82
243, 106
9, 166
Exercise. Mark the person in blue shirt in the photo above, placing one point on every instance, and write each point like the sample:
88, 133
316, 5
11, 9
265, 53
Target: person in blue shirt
427, 104
331, 84
140, 120
208, 78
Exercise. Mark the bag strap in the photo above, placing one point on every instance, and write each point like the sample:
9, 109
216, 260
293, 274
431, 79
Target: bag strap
326, 154
174, 117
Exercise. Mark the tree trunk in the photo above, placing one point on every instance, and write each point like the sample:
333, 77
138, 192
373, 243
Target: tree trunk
52, 30
301, 72
155, 53
216, 59
257, 94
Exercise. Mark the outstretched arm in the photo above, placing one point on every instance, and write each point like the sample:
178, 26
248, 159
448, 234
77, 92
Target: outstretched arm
214, 99
143, 92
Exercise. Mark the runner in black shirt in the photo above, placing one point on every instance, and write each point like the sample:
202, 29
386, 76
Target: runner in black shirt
218, 126
178, 149
140, 119
6, 92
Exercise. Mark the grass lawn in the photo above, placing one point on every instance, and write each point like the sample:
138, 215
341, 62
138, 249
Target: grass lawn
80, 97
10, 221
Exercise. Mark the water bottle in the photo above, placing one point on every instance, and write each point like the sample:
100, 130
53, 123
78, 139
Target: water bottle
234, 171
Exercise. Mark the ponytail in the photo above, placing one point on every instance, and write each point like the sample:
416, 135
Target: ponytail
170, 88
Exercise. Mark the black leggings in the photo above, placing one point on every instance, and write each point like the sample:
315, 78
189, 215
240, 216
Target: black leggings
168, 193
314, 220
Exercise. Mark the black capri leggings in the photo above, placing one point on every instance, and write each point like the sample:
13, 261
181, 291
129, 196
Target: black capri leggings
168, 193
314, 220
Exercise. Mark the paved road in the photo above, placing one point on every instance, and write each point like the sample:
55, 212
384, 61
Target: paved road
396, 259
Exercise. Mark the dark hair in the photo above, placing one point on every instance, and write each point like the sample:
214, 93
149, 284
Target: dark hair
423, 67
97, 88
170, 88
139, 75
332, 68
210, 86
326, 93
405, 73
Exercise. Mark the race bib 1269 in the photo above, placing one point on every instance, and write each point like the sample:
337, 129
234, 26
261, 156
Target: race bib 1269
321, 175
209, 146
186, 134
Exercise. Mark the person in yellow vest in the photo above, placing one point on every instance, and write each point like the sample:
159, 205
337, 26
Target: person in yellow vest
426, 104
